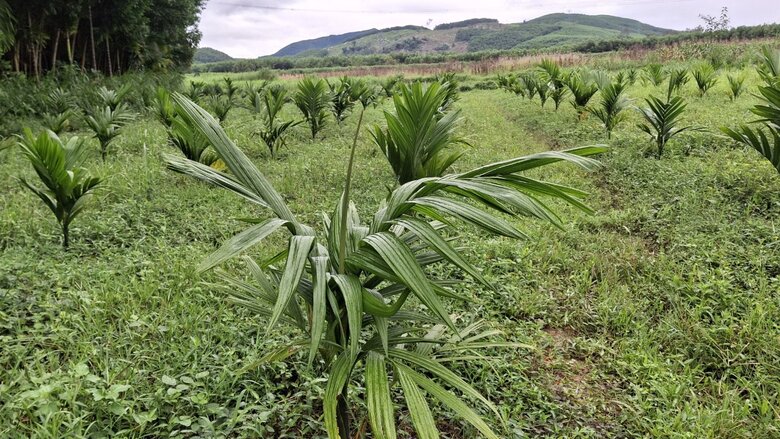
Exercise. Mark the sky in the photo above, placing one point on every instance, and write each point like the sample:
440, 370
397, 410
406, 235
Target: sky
252, 28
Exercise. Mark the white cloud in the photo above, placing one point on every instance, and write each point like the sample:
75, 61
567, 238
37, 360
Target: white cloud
251, 28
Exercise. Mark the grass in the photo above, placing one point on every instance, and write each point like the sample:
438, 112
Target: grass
655, 317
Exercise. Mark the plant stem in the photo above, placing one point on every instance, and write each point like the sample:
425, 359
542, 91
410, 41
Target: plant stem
65, 238
345, 196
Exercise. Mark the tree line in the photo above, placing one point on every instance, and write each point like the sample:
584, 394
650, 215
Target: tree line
109, 36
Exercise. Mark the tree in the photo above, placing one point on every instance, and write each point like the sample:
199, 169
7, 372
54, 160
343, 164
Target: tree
714, 24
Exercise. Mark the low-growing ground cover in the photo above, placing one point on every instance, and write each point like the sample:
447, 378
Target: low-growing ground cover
656, 316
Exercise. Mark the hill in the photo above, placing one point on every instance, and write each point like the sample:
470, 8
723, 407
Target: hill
207, 55
321, 43
564, 30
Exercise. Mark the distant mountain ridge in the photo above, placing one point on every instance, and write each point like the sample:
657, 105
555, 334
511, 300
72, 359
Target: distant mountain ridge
476, 35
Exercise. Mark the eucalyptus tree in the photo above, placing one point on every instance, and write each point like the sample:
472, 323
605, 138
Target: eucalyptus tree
344, 292
67, 185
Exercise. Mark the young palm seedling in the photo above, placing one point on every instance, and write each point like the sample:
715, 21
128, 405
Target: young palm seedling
581, 92
655, 74
705, 77
450, 86
529, 83
553, 76
313, 99
61, 111
736, 86
677, 79
67, 186
662, 120
220, 105
417, 142
345, 291
390, 83
766, 138
273, 132
769, 70
106, 124
195, 91
113, 98
342, 98
611, 109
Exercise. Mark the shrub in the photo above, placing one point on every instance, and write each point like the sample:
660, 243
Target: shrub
68, 186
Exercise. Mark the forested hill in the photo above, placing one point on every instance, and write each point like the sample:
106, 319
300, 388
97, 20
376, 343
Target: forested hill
207, 54
480, 34
110, 36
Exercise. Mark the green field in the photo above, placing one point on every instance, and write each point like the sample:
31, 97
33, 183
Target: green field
657, 316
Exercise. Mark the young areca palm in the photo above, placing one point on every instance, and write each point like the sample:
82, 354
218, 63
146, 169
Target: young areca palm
581, 91
106, 124
390, 84
705, 77
662, 120
769, 70
61, 107
313, 99
553, 76
220, 105
68, 186
736, 86
274, 133
113, 98
655, 74
345, 295
418, 142
342, 98
766, 139
677, 79
612, 106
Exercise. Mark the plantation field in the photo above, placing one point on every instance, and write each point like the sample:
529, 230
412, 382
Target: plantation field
656, 316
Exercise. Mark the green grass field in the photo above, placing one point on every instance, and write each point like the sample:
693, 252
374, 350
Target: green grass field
655, 317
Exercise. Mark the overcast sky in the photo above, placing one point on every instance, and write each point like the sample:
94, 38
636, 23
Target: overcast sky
252, 28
